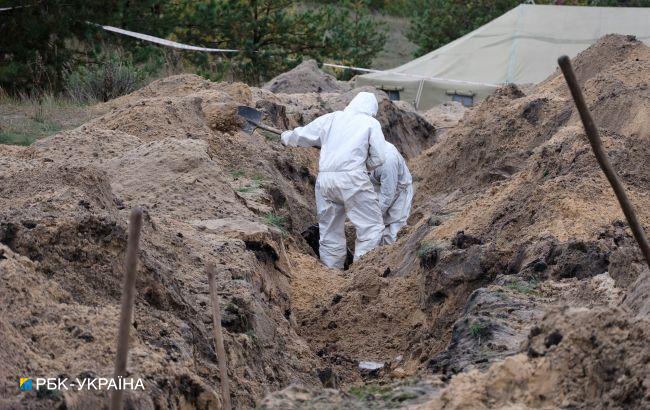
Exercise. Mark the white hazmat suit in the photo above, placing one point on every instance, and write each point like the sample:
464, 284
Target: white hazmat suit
394, 185
352, 143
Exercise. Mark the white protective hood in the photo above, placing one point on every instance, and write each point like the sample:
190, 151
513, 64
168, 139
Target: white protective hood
350, 140
363, 103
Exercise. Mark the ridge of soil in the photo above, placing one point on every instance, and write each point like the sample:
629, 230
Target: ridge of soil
516, 283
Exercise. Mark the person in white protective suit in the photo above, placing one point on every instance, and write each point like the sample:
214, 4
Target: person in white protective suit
394, 185
352, 143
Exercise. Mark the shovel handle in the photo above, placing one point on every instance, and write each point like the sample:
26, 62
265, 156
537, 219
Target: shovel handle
267, 128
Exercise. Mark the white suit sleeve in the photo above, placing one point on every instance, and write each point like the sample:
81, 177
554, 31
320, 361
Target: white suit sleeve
377, 148
310, 135
389, 180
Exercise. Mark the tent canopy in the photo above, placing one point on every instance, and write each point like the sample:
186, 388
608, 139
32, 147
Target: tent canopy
520, 47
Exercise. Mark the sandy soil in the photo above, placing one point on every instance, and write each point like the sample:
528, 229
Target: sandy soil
517, 283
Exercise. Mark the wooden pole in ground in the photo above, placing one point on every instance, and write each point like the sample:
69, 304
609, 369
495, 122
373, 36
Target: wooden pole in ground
218, 337
601, 157
128, 296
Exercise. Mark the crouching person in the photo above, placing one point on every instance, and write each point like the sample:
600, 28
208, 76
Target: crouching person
394, 186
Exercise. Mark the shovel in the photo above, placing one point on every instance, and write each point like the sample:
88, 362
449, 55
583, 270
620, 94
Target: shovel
253, 118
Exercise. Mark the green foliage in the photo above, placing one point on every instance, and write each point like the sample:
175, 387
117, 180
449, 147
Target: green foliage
274, 35
438, 22
247, 189
522, 287
368, 392
111, 76
348, 35
39, 40
427, 247
238, 173
258, 179
254, 186
43, 41
26, 118
276, 221
386, 7
435, 23
477, 329
270, 136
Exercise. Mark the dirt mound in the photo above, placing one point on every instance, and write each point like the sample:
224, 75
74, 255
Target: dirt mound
208, 195
306, 78
518, 151
576, 357
512, 215
446, 115
511, 218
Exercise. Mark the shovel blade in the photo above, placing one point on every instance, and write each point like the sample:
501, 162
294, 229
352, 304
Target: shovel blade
252, 117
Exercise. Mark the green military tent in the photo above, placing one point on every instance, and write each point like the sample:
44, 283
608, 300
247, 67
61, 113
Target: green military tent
520, 47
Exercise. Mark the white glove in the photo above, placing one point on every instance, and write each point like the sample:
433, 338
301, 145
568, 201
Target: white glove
286, 139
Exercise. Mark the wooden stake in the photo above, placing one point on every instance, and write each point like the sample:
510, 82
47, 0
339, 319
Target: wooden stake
218, 337
128, 296
601, 157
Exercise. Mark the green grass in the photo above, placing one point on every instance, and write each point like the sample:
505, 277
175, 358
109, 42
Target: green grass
428, 246
258, 181
255, 341
246, 189
270, 136
425, 248
249, 188
477, 329
15, 138
28, 132
238, 173
369, 392
522, 287
403, 396
276, 221
390, 396
25, 119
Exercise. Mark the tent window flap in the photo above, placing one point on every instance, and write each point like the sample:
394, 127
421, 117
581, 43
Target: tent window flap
465, 98
392, 92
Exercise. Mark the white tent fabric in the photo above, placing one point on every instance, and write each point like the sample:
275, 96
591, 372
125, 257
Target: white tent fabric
520, 47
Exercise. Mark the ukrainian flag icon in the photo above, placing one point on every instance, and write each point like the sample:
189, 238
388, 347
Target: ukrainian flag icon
25, 384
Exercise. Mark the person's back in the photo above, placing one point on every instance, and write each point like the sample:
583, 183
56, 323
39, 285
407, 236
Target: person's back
348, 138
348, 144
351, 143
396, 163
394, 185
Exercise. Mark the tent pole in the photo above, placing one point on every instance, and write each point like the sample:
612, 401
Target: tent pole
419, 94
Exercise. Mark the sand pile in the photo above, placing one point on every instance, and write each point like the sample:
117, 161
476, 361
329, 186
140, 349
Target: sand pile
576, 357
65, 202
210, 193
306, 78
512, 219
512, 216
446, 115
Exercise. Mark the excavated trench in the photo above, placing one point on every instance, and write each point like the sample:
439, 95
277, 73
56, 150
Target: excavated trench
514, 243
